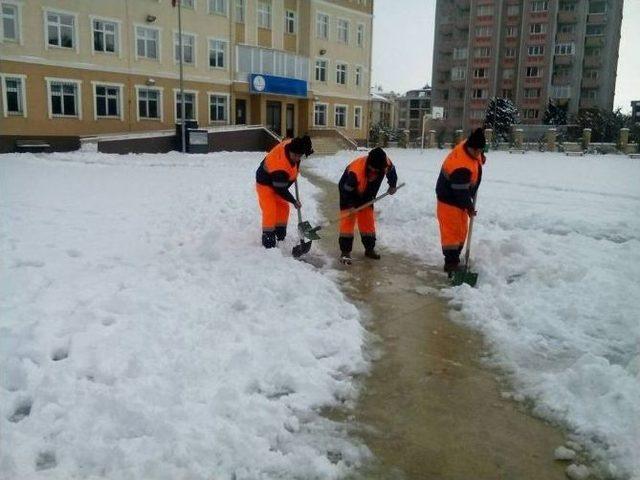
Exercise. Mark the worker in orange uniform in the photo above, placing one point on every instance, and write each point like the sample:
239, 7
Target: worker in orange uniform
359, 184
276, 173
456, 189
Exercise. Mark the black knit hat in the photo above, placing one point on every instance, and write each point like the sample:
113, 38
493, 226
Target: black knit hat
377, 159
476, 139
297, 145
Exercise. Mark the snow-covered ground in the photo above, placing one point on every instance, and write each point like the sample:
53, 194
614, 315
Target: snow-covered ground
557, 246
145, 332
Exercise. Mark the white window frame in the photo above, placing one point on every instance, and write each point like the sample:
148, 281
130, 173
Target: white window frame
326, 70
509, 50
290, 20
23, 91
227, 120
264, 14
535, 50
160, 91
158, 42
176, 91
531, 67
319, 33
478, 70
326, 114
462, 73
225, 54
358, 75
537, 28
118, 33
460, 53
484, 31
78, 84
357, 115
18, 22
239, 11
586, 32
484, 10
482, 52
346, 72
176, 46
565, 49
528, 92
76, 38
484, 93
346, 115
120, 86
360, 29
540, 5
212, 11
513, 10
511, 31
342, 30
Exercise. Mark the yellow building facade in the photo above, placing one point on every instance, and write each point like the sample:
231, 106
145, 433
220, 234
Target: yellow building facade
90, 67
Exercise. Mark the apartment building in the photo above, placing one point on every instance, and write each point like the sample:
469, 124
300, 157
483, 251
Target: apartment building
530, 51
635, 111
412, 107
88, 67
382, 109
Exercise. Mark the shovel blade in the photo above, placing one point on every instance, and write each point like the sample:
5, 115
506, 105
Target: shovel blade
464, 276
306, 230
301, 249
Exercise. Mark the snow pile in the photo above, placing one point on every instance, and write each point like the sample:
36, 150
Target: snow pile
145, 332
557, 247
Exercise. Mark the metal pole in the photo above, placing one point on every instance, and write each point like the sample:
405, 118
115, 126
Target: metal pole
423, 125
183, 126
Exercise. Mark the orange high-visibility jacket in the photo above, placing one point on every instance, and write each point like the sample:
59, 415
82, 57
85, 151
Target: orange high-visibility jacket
278, 172
356, 190
459, 178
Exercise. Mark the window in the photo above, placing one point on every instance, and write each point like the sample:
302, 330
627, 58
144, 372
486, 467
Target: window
10, 25
64, 98
566, 28
322, 26
512, 32
569, 6
598, 7
149, 104
533, 72
147, 42
320, 114
460, 53
532, 92
479, 93
594, 30
458, 73
218, 7
290, 22
240, 11
107, 101
341, 116
561, 92
480, 73
264, 14
343, 30
531, 113
590, 74
510, 52
321, 70
485, 10
341, 73
360, 35
188, 4
565, 49
482, 52
358, 78
513, 10
357, 117
593, 52
539, 5
105, 36
483, 31
61, 30
188, 48
537, 28
13, 99
217, 53
190, 103
218, 108
508, 73
591, 94
535, 50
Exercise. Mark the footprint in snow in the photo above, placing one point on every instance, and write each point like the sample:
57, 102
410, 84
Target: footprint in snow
74, 253
46, 460
60, 353
21, 410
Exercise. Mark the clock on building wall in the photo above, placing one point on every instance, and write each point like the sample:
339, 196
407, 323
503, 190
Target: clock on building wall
259, 83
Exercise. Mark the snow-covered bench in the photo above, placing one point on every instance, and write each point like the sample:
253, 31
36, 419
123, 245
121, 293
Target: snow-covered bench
32, 146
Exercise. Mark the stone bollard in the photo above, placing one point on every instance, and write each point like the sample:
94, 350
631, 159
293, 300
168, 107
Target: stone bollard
488, 136
586, 138
432, 139
518, 138
551, 139
459, 136
624, 140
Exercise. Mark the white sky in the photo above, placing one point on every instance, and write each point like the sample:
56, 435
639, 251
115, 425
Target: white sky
403, 47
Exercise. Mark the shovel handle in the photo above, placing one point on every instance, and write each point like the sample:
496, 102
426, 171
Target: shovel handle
298, 200
369, 203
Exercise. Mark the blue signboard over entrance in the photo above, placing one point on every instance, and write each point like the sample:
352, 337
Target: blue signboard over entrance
259, 83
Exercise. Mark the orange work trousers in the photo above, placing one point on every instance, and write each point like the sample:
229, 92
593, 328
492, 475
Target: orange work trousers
275, 209
364, 218
454, 225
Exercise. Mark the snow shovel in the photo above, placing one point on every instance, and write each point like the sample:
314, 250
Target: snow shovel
304, 229
465, 275
368, 204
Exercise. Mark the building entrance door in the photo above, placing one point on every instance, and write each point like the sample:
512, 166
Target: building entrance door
274, 117
290, 120
241, 111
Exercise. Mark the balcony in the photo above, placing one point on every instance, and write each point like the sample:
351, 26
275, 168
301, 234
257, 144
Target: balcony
590, 83
462, 22
563, 59
593, 61
270, 62
565, 37
481, 61
588, 103
561, 80
597, 18
594, 41
567, 17
446, 28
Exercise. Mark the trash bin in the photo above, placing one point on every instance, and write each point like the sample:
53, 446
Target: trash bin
197, 141
189, 124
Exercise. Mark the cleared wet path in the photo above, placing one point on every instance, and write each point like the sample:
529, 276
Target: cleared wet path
429, 408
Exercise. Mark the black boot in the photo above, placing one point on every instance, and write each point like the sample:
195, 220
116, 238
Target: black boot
372, 254
451, 261
369, 243
345, 259
281, 232
269, 239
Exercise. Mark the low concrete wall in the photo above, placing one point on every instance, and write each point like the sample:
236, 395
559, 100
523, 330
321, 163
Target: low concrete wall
57, 143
